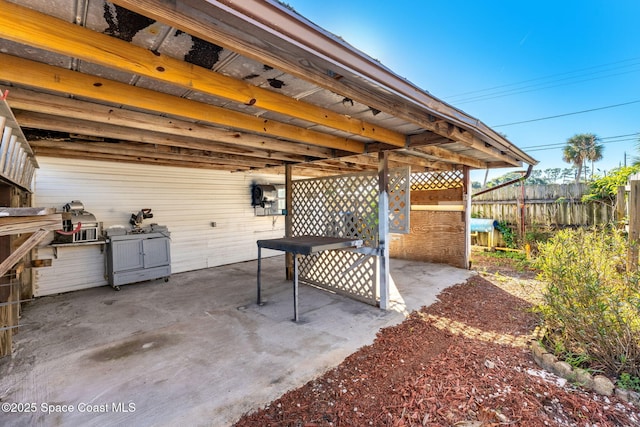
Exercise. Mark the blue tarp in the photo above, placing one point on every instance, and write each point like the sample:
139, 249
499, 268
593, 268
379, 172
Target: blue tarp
483, 225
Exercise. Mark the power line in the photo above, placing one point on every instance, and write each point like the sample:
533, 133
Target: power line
563, 144
525, 89
620, 136
542, 78
567, 114
493, 92
555, 146
601, 139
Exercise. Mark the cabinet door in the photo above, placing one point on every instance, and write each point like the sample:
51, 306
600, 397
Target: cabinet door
156, 252
127, 255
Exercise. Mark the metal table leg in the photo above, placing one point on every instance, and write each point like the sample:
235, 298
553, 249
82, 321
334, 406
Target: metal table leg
259, 265
295, 287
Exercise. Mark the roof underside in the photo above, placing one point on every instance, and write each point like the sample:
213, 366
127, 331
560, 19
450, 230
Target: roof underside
232, 85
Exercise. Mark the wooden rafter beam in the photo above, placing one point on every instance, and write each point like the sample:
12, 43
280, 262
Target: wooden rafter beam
70, 154
330, 169
84, 128
318, 168
451, 157
426, 138
407, 158
335, 165
299, 171
182, 133
454, 133
369, 161
27, 26
34, 74
159, 152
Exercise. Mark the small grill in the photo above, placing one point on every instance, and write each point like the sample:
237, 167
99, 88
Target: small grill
78, 225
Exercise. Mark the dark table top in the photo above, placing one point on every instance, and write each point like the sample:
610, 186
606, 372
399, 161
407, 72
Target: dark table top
305, 245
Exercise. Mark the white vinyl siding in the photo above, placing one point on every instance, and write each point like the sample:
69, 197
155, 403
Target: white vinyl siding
186, 200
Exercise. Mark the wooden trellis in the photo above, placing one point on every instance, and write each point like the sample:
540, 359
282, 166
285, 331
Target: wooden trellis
346, 206
341, 206
437, 180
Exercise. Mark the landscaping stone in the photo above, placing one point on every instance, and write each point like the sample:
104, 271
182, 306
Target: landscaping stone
562, 369
623, 394
548, 360
603, 385
582, 378
538, 351
628, 396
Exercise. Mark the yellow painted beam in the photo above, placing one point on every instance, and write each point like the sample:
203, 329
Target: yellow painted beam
33, 28
35, 74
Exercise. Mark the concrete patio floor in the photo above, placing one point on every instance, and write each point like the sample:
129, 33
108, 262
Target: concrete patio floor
194, 351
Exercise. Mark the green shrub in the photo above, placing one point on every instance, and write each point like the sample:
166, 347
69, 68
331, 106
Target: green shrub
591, 305
508, 235
628, 382
605, 189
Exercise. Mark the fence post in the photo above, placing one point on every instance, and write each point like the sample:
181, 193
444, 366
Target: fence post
621, 207
634, 223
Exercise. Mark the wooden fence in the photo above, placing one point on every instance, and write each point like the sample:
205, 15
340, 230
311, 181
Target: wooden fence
554, 205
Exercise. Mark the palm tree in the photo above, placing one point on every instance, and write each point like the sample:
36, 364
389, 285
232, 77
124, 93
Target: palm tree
580, 148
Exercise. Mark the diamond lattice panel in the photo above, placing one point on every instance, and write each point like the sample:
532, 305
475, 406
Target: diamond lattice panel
399, 200
341, 206
345, 272
437, 180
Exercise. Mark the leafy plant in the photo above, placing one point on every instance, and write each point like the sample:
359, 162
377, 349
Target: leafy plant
605, 189
577, 360
591, 304
628, 382
508, 235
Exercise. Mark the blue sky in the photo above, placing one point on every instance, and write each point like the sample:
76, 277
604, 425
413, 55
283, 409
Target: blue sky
510, 61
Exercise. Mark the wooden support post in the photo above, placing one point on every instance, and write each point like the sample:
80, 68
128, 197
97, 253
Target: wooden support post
621, 207
466, 199
383, 227
634, 224
288, 219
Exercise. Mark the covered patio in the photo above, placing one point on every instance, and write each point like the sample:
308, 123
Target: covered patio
187, 107
197, 350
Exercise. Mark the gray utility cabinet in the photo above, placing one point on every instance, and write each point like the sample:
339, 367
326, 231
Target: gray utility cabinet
139, 256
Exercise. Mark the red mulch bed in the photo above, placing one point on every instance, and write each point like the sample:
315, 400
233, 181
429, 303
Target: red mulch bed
420, 373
